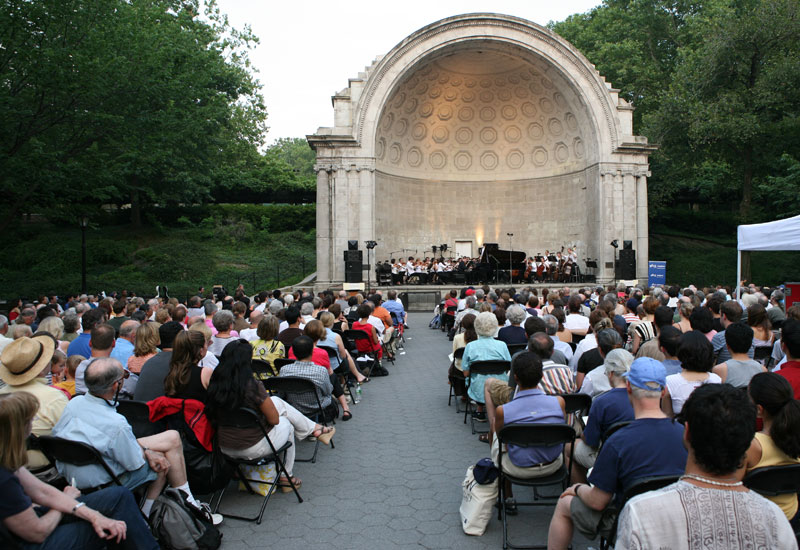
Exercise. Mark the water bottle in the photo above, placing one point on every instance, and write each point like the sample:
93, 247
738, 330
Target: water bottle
358, 392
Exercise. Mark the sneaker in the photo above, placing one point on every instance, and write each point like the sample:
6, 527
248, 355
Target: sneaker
202, 511
479, 416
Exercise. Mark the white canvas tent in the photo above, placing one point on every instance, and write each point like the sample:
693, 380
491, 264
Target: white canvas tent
777, 235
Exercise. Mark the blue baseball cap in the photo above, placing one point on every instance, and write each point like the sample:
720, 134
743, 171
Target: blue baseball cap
646, 370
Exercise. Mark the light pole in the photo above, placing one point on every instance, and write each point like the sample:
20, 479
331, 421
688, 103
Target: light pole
84, 221
510, 255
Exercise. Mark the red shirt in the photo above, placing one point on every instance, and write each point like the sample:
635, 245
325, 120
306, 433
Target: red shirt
450, 302
318, 357
791, 371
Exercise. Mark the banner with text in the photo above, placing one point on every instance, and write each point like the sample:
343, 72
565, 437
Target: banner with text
656, 273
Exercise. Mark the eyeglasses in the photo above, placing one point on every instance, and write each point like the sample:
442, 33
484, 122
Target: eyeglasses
125, 375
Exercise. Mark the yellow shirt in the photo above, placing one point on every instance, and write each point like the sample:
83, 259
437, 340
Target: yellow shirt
51, 405
68, 385
771, 455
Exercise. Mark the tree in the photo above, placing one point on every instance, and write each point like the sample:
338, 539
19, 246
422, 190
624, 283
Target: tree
297, 153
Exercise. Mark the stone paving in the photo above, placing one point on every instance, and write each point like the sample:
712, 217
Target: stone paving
394, 479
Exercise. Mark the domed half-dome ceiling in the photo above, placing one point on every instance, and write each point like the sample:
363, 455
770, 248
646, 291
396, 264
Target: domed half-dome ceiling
483, 115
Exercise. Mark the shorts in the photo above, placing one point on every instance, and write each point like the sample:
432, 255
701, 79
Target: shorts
136, 478
584, 454
591, 523
501, 393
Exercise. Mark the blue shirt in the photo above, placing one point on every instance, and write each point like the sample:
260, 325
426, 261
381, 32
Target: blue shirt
80, 346
393, 306
607, 409
512, 335
485, 348
672, 366
91, 420
644, 448
123, 349
533, 407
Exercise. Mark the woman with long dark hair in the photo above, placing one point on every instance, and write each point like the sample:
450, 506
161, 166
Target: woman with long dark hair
186, 378
233, 386
778, 442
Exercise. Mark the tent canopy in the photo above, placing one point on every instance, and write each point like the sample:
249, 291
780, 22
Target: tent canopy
777, 235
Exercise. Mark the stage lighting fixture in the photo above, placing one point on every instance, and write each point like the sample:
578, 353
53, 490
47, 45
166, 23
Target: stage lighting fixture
443, 247
371, 244
615, 243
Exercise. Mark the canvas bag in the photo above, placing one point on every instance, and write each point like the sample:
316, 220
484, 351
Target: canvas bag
265, 472
476, 504
177, 528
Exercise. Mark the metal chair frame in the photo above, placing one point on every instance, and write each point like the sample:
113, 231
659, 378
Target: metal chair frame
482, 367
137, 413
458, 354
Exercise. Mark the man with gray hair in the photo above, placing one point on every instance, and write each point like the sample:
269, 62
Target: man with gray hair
342, 299
223, 323
469, 308
552, 329
93, 419
651, 445
307, 311
607, 409
608, 341
775, 310
4, 341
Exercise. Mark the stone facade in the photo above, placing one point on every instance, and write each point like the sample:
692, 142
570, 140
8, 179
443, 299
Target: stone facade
474, 127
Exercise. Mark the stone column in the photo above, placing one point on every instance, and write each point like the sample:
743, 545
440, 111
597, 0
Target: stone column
324, 230
642, 253
366, 218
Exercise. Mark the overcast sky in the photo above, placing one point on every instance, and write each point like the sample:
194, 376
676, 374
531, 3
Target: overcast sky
308, 50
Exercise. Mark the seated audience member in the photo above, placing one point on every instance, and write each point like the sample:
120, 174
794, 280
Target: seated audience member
593, 381
233, 386
778, 442
599, 320
93, 419
101, 344
373, 345
306, 311
762, 328
739, 369
651, 445
145, 347
563, 333
209, 359
685, 309
209, 309
186, 378
697, 358
652, 348
340, 323
80, 345
556, 378
485, 348
702, 320
71, 325
125, 344
607, 409
251, 332
223, 323
315, 330
342, 362
305, 367
66, 518
514, 333
730, 312
575, 321
669, 340
645, 329
383, 314
529, 406
151, 380
537, 324
239, 311
393, 305
294, 327
55, 327
23, 366
68, 384
58, 368
790, 345
552, 329
267, 347
708, 507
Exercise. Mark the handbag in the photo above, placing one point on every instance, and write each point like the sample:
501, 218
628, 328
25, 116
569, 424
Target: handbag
476, 504
264, 472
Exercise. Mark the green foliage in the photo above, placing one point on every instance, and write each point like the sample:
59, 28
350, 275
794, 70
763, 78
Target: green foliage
783, 190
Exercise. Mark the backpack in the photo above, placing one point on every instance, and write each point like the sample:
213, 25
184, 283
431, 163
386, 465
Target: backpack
177, 528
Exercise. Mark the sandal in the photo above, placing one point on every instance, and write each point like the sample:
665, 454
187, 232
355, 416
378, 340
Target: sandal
346, 415
325, 434
284, 485
365, 380
485, 438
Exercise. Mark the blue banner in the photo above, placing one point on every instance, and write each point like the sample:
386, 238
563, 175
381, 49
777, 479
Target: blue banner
656, 273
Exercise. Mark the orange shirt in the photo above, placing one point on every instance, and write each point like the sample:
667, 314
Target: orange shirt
383, 314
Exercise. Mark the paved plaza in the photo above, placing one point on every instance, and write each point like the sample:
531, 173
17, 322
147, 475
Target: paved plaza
394, 478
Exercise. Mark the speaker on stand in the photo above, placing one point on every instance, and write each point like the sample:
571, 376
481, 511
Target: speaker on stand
353, 263
626, 264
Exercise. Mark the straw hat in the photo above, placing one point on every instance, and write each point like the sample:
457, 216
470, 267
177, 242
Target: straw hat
24, 358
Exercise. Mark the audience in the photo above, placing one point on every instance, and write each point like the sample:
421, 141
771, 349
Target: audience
739, 369
146, 346
155, 370
186, 379
485, 348
697, 359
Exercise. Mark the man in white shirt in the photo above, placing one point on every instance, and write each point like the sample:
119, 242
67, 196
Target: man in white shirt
575, 321
552, 329
249, 334
4, 341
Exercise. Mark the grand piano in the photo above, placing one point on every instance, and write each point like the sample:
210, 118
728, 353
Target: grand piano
499, 266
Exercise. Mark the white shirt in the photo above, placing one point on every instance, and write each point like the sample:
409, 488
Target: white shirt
588, 343
249, 334
210, 361
284, 325
576, 321
595, 382
680, 388
377, 323
563, 347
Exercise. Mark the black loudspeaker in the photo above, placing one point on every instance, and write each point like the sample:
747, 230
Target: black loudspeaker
627, 245
353, 256
353, 272
626, 264
352, 245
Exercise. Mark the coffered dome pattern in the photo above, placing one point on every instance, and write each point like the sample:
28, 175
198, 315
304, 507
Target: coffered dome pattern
482, 116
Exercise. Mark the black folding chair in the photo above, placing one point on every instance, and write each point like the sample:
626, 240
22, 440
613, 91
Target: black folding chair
482, 367
637, 487
612, 429
281, 362
531, 435
248, 418
772, 481
263, 369
449, 319
137, 413
353, 337
343, 370
514, 348
762, 353
288, 386
77, 454
577, 404
399, 330
455, 379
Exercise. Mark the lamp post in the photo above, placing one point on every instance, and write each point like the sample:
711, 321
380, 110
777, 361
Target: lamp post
510, 255
84, 221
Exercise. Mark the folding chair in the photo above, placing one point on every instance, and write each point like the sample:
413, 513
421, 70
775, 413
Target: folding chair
343, 370
762, 353
613, 429
531, 435
353, 337
637, 487
295, 385
449, 319
281, 362
399, 329
137, 413
247, 418
457, 355
577, 404
772, 481
77, 454
514, 348
482, 367
263, 369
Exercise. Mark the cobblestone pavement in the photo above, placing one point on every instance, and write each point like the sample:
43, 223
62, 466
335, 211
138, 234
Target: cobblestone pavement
394, 479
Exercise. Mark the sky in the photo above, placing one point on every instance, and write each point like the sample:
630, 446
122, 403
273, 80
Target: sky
308, 49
